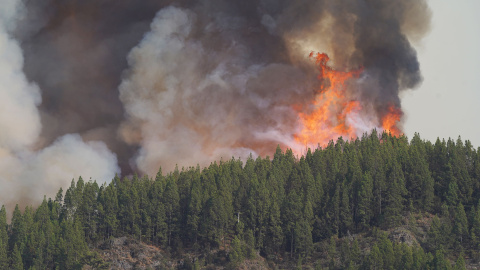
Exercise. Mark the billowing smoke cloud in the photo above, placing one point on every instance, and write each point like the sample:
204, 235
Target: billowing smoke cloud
219, 79
161, 83
25, 173
18, 98
197, 99
76, 52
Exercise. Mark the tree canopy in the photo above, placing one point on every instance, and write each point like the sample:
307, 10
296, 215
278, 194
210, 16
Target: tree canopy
280, 207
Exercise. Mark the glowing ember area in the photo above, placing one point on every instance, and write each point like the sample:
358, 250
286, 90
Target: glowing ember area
391, 119
331, 108
333, 113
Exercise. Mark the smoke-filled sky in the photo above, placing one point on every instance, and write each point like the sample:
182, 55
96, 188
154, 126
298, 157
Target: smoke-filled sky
447, 102
99, 87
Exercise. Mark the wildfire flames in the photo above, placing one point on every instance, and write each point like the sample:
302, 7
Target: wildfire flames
333, 113
390, 120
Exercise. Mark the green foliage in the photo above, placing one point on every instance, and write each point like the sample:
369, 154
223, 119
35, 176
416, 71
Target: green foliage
460, 264
281, 208
475, 226
460, 227
17, 263
375, 259
250, 244
439, 261
3, 239
236, 255
386, 249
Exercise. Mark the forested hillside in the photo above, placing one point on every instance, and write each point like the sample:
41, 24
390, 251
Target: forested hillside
310, 211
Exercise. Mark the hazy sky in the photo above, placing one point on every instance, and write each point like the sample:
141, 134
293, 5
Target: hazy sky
447, 103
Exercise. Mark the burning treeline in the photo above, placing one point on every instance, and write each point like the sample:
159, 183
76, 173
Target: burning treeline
135, 85
334, 113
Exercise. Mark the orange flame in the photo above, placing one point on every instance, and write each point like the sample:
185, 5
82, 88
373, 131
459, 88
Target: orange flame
328, 120
391, 119
334, 113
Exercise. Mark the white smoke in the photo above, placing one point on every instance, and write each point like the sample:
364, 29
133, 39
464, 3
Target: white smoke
19, 118
221, 79
189, 103
27, 174
163, 79
211, 80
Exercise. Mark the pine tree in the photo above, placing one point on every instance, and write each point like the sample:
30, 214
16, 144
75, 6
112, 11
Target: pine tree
333, 212
250, 244
419, 258
160, 225
438, 167
355, 252
303, 238
3, 239
394, 195
345, 215
345, 253
109, 201
88, 210
439, 261
226, 205
291, 213
460, 165
275, 237
171, 203
194, 210
18, 230
460, 264
17, 263
375, 260
452, 194
407, 258
365, 195
475, 227
386, 248
332, 251
379, 186
418, 177
434, 235
236, 253
460, 225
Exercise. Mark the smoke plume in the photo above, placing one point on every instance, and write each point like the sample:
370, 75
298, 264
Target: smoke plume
221, 79
24, 170
166, 83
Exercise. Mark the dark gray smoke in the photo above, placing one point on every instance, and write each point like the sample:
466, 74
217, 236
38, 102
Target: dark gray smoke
184, 82
76, 51
27, 171
220, 78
